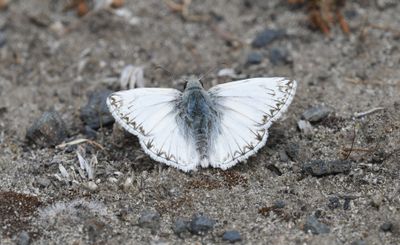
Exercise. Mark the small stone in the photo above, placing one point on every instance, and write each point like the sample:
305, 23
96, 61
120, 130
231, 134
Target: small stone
48, 130
95, 113
283, 156
346, 204
279, 204
278, 56
181, 225
358, 242
149, 219
305, 127
3, 39
266, 37
23, 238
89, 132
320, 168
232, 236
316, 227
316, 113
386, 227
91, 186
43, 182
254, 58
201, 224
292, 150
334, 202
376, 200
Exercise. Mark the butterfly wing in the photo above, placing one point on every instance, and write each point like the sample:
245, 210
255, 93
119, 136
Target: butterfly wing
151, 115
248, 108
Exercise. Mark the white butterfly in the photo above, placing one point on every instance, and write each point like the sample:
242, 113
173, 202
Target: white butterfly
219, 127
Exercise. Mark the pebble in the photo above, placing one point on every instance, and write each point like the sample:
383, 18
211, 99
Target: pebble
334, 203
278, 56
292, 150
201, 224
3, 39
23, 238
346, 204
305, 127
316, 227
48, 130
386, 227
279, 204
181, 225
358, 242
232, 236
95, 113
254, 58
43, 182
283, 156
149, 219
266, 37
320, 168
316, 113
376, 200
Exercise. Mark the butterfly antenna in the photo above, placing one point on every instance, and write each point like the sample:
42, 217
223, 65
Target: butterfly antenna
211, 70
172, 75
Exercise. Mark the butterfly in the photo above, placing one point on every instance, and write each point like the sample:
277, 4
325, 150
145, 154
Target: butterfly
218, 127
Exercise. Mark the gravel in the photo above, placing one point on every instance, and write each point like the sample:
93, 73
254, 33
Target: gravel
319, 168
316, 113
201, 224
266, 37
232, 236
315, 227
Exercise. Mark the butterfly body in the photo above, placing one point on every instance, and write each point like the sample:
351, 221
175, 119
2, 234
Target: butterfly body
219, 127
200, 118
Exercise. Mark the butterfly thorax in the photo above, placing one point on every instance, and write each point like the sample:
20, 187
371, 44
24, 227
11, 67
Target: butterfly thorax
198, 113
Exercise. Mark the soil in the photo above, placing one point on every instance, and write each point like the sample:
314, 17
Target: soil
52, 59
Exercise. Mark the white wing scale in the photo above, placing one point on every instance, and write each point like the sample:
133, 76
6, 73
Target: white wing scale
248, 108
150, 114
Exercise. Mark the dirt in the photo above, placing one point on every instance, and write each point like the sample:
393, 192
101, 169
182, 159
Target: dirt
52, 60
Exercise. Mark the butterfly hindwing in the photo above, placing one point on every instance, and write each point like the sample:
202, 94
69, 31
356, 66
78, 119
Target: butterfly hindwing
248, 108
151, 115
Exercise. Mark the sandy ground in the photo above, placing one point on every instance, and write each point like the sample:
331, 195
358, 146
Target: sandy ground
269, 199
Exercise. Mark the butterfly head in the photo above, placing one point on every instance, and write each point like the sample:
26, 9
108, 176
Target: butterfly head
193, 83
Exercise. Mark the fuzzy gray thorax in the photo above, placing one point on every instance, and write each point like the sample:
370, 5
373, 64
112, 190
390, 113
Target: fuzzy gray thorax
199, 116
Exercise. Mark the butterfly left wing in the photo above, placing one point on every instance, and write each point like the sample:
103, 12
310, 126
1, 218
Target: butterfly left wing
248, 108
151, 115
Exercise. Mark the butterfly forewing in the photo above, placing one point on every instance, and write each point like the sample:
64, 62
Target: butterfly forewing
151, 114
247, 109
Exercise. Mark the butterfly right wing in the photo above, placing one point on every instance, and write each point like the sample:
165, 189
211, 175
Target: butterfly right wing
151, 114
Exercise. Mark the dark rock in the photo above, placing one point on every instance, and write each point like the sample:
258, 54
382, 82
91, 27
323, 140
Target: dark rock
201, 224
358, 242
292, 150
316, 113
305, 127
48, 130
279, 204
254, 58
149, 219
266, 37
346, 204
334, 202
283, 156
232, 236
181, 225
316, 227
3, 39
320, 168
89, 132
23, 238
386, 227
278, 56
95, 113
